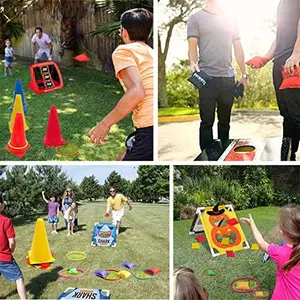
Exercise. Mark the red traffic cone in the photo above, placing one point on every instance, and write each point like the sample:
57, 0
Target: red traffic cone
53, 137
18, 144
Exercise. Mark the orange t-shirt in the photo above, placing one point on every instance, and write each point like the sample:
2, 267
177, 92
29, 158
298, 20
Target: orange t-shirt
139, 55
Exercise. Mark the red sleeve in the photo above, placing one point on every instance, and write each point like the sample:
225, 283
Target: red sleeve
10, 231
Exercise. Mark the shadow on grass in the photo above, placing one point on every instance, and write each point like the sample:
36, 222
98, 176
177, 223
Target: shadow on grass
123, 229
38, 285
28, 219
79, 228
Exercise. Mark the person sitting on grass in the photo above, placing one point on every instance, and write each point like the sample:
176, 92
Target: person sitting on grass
186, 286
116, 203
286, 257
9, 58
53, 212
8, 266
70, 216
133, 64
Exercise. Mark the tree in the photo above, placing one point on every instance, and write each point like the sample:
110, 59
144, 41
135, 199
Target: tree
90, 188
10, 13
178, 12
152, 183
120, 184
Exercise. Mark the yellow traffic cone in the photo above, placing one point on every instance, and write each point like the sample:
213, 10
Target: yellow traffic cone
40, 251
18, 108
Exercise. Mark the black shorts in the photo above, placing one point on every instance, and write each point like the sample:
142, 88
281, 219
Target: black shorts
139, 145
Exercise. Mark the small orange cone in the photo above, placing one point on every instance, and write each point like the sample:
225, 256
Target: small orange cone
53, 137
40, 251
18, 108
18, 144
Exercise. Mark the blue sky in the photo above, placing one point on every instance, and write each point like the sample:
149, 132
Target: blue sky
101, 172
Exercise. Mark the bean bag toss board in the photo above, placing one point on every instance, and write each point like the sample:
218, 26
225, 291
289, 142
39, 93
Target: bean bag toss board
82, 293
104, 235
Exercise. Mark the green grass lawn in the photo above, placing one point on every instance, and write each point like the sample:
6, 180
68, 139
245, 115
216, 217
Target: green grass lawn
246, 262
144, 242
87, 97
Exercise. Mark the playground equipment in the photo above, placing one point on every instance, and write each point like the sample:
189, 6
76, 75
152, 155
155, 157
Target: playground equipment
45, 77
18, 108
53, 137
105, 235
40, 253
222, 229
18, 144
19, 91
84, 293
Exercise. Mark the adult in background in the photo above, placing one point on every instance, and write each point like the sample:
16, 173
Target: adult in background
285, 51
42, 45
211, 34
68, 199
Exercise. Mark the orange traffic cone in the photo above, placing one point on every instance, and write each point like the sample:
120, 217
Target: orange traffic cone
40, 251
18, 108
18, 144
53, 137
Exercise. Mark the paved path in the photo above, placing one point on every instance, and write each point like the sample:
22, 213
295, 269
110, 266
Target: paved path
179, 141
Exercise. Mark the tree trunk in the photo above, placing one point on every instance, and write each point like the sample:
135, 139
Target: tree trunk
2, 37
162, 77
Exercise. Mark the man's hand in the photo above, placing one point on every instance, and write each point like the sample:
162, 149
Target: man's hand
98, 134
194, 67
50, 57
245, 82
130, 207
291, 62
247, 221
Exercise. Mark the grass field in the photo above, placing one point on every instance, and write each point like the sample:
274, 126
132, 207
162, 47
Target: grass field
246, 262
87, 97
144, 241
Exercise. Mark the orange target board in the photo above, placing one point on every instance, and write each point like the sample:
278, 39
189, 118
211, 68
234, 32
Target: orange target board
222, 229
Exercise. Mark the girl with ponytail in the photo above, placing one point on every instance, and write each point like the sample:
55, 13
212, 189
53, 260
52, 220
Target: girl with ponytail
286, 257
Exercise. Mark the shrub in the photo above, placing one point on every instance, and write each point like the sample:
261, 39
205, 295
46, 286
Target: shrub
187, 212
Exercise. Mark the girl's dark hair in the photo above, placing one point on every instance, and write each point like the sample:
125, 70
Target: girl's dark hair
138, 22
289, 223
186, 285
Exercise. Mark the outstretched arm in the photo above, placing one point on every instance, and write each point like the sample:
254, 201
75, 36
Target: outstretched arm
257, 235
134, 94
43, 194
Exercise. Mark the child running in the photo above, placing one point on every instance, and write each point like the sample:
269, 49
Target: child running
70, 216
286, 257
187, 287
53, 212
133, 64
8, 266
9, 58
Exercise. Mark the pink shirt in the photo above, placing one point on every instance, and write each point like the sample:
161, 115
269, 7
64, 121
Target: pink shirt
287, 285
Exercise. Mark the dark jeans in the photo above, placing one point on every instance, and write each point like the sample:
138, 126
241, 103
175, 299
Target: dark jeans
217, 93
288, 101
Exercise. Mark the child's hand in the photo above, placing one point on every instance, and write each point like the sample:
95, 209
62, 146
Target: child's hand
247, 221
98, 134
14, 58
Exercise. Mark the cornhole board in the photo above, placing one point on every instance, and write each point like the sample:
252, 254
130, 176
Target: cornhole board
82, 293
104, 235
45, 77
258, 149
216, 229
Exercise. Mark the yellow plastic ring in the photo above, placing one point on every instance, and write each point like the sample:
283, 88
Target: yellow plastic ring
69, 255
